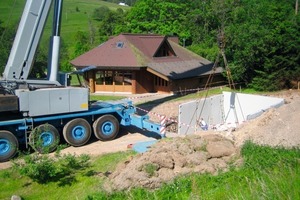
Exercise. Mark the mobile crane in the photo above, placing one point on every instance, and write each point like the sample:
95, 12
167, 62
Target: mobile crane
39, 112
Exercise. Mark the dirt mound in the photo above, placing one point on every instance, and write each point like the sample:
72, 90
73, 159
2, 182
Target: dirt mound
169, 158
276, 127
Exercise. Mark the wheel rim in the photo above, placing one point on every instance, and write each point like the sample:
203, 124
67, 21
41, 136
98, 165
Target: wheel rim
47, 138
4, 147
78, 132
107, 128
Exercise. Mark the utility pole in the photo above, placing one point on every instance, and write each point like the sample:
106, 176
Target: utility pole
296, 7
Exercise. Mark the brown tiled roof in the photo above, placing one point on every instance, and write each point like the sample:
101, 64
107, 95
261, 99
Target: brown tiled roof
138, 51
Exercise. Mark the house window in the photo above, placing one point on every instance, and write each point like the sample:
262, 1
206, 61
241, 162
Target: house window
113, 78
108, 77
100, 78
160, 82
127, 78
104, 78
165, 51
120, 44
118, 78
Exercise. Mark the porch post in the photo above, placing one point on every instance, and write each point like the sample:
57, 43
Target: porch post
91, 77
133, 82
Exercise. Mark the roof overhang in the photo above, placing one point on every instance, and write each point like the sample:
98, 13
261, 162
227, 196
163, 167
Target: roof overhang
121, 68
157, 74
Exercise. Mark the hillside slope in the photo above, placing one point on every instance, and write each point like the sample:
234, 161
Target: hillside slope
76, 16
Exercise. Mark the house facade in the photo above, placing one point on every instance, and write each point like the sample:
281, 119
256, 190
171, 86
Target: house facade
139, 63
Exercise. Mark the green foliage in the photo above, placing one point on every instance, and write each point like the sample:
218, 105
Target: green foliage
105, 97
39, 168
263, 45
205, 50
268, 156
100, 13
44, 169
78, 185
150, 169
160, 17
6, 36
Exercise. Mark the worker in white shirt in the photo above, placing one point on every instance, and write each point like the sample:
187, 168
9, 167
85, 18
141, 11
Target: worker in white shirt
203, 125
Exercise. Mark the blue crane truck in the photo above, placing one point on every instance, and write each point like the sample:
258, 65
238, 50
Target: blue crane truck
39, 113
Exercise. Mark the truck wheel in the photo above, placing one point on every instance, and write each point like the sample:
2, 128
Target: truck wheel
106, 127
44, 138
8, 145
77, 132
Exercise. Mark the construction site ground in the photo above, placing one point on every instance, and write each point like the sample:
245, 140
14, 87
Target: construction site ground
276, 127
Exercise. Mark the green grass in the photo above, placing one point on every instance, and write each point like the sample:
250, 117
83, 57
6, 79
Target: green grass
98, 97
76, 15
267, 173
10, 13
84, 182
216, 91
203, 93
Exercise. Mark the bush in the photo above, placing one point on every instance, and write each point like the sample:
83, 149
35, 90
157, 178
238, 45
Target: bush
44, 168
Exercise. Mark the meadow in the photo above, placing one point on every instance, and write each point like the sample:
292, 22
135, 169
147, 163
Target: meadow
76, 16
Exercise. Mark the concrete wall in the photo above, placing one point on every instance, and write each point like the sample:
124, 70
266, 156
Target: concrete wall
226, 110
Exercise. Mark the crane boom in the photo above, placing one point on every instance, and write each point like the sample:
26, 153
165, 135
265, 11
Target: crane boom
27, 38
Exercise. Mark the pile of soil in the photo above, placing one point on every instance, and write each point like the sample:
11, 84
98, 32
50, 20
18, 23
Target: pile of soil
276, 127
169, 158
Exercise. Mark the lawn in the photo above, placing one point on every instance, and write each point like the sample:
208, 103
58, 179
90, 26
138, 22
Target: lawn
75, 186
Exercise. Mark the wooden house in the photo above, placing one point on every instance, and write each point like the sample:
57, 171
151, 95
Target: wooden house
144, 63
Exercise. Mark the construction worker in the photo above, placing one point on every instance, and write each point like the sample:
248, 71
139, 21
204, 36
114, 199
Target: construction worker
203, 125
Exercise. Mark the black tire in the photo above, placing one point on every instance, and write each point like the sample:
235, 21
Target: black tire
9, 145
77, 132
44, 138
106, 127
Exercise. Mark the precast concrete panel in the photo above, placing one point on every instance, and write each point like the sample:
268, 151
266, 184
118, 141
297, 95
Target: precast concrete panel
233, 112
217, 112
241, 107
186, 118
190, 114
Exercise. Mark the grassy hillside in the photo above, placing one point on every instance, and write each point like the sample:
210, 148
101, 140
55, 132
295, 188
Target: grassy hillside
75, 16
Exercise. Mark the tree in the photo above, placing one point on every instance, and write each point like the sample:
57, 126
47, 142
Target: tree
100, 13
160, 17
81, 44
264, 44
112, 24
